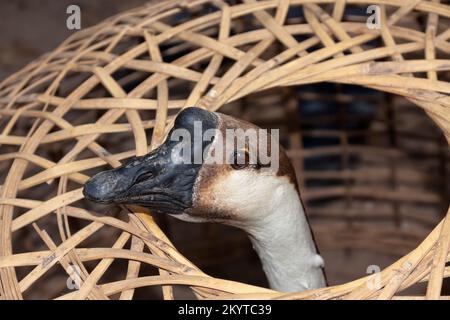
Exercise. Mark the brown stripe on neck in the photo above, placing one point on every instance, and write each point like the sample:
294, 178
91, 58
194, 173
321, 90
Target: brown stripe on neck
285, 169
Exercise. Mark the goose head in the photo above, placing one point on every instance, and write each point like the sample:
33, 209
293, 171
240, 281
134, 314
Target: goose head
199, 173
204, 172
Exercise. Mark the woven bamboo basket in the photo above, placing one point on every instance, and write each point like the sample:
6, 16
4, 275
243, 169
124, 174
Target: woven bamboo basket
111, 91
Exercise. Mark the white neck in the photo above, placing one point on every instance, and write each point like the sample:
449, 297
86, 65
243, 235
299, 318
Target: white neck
283, 240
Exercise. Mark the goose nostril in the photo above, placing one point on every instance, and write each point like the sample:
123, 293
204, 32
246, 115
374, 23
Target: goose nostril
143, 177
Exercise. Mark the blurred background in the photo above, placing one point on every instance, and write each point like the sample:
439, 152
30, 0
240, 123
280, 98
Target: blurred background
31, 28
374, 185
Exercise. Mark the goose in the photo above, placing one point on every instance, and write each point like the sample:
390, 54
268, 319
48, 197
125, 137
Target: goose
266, 204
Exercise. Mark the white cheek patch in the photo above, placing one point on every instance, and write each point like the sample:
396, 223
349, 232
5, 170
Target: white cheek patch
250, 194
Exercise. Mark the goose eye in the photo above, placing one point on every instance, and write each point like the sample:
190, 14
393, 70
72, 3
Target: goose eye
241, 160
